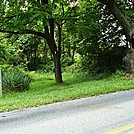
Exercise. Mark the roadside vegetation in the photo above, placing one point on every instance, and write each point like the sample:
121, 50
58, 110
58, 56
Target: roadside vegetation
53, 51
44, 90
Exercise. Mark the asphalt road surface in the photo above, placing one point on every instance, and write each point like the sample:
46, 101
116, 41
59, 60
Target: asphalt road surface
104, 114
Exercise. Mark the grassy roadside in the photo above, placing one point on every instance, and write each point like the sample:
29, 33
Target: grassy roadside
44, 90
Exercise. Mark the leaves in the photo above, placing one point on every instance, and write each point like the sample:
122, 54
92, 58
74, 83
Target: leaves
15, 80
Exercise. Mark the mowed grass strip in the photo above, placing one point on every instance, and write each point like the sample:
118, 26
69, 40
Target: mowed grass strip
44, 90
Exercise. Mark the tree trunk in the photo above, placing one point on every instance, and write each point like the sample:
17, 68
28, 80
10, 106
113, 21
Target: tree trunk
58, 73
50, 38
73, 53
129, 61
56, 54
127, 27
129, 33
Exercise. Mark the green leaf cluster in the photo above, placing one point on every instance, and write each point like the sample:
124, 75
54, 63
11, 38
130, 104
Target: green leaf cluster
14, 80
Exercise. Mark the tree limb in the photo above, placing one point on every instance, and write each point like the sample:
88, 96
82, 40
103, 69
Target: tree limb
111, 5
24, 32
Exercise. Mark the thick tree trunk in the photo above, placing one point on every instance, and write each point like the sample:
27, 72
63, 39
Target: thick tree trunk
129, 58
56, 54
58, 73
129, 61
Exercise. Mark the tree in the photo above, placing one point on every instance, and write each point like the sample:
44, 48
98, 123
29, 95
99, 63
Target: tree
127, 25
39, 17
100, 39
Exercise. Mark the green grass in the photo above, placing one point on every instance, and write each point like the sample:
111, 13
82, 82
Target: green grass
44, 90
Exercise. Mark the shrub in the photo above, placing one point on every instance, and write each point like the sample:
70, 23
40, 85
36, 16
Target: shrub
14, 80
119, 73
101, 60
74, 68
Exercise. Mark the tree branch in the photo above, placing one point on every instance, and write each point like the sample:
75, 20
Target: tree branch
121, 18
24, 32
111, 5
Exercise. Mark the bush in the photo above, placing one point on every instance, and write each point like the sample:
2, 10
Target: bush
120, 73
107, 60
14, 80
74, 68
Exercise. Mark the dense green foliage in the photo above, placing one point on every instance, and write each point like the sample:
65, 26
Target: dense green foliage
80, 36
84, 29
101, 41
14, 80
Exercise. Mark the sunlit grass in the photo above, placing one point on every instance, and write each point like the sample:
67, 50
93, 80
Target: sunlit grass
44, 90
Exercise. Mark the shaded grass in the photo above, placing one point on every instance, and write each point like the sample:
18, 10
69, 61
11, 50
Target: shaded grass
44, 90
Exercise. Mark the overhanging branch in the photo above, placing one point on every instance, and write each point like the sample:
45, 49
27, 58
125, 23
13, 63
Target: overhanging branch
24, 32
111, 5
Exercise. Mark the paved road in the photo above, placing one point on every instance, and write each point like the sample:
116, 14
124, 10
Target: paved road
112, 113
